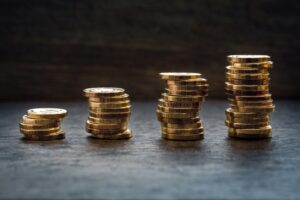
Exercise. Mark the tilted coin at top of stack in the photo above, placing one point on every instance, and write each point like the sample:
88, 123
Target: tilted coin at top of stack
43, 124
247, 90
178, 108
109, 112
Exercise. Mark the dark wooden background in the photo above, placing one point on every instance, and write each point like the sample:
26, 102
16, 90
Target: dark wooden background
51, 50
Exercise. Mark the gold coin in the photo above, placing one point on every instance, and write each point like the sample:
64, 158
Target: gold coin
230, 86
245, 70
41, 121
182, 126
120, 98
183, 137
38, 126
176, 115
252, 103
260, 65
248, 58
124, 135
246, 125
189, 82
248, 82
182, 131
187, 92
118, 104
93, 125
172, 98
236, 114
48, 113
178, 104
178, 120
262, 119
188, 87
262, 130
109, 115
56, 136
177, 110
103, 92
104, 131
108, 120
178, 75
250, 136
110, 110
47, 131
255, 109
265, 97
231, 92
257, 76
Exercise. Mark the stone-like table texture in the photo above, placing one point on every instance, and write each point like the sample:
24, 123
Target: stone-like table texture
147, 167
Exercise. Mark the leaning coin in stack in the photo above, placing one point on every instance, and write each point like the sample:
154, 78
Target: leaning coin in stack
178, 108
247, 90
109, 113
43, 124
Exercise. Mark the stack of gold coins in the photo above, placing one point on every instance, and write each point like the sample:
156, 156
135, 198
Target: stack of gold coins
109, 112
178, 109
43, 124
247, 89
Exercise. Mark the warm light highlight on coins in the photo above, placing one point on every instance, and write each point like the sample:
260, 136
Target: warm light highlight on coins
247, 89
178, 109
109, 113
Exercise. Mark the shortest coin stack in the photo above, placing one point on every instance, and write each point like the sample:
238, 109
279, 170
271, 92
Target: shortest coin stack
178, 108
109, 113
43, 124
247, 89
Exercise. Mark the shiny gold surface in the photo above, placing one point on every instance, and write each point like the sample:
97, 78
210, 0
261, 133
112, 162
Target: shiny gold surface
109, 113
178, 109
43, 124
247, 89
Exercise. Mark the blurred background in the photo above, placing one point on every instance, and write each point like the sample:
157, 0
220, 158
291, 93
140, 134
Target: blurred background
51, 50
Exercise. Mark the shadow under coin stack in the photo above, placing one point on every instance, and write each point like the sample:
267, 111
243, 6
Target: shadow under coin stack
247, 89
109, 112
43, 124
178, 109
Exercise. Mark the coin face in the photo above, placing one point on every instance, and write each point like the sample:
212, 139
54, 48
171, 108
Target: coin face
248, 58
47, 113
103, 91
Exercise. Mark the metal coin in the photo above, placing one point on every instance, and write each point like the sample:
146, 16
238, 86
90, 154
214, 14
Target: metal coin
178, 104
41, 121
177, 110
117, 104
186, 99
176, 115
56, 136
123, 135
248, 58
246, 125
178, 75
103, 92
114, 99
47, 113
182, 137
47, 131
189, 82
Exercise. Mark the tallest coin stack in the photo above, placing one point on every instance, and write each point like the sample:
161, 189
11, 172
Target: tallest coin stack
247, 89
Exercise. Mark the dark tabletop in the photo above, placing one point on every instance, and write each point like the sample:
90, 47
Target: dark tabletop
147, 167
